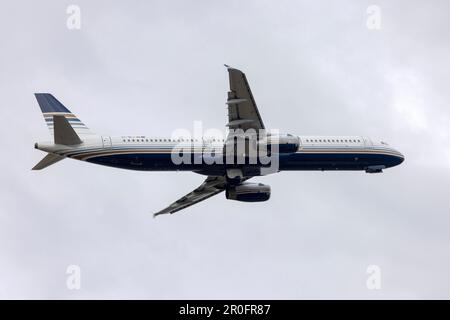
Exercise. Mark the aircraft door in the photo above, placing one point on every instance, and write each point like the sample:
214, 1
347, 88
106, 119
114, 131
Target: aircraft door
106, 142
368, 143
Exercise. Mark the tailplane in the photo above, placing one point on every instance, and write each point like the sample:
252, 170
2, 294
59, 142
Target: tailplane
48, 160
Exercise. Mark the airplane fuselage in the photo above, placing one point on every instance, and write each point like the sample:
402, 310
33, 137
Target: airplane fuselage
155, 154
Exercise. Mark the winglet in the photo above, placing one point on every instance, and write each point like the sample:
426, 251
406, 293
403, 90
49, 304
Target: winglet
230, 68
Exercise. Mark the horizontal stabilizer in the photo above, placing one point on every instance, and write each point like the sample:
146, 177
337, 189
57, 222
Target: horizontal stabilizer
48, 160
63, 131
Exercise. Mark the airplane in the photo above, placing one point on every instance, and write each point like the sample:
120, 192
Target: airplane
73, 139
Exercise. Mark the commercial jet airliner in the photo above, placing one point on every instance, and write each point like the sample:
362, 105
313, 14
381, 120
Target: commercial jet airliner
248, 150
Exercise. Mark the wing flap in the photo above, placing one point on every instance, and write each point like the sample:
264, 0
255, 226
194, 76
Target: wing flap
241, 104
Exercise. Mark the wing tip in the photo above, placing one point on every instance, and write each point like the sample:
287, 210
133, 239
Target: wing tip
160, 213
229, 67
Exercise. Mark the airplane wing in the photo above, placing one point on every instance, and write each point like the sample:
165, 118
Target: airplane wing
242, 110
242, 114
210, 187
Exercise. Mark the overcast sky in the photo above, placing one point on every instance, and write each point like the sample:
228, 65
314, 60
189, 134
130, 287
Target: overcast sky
150, 67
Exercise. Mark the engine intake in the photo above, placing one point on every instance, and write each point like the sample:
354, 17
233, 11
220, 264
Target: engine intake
248, 192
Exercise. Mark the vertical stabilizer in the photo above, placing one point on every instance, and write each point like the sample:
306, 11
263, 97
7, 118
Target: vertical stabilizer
51, 107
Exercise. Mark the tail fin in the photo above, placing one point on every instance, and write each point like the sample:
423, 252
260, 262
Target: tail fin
51, 107
63, 132
65, 127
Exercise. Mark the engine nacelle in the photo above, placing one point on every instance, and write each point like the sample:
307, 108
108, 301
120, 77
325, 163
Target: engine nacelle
286, 143
249, 192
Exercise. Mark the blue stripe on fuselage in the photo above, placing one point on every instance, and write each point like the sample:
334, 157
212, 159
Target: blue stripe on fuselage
295, 161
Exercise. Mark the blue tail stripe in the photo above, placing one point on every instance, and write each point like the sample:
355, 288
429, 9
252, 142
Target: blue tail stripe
68, 119
49, 103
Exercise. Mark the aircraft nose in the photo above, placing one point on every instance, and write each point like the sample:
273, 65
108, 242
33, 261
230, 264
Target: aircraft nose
400, 157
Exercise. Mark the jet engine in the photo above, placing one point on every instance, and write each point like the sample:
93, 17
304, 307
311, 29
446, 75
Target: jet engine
248, 192
286, 143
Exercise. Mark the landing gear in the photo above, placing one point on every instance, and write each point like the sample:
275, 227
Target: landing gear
234, 176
